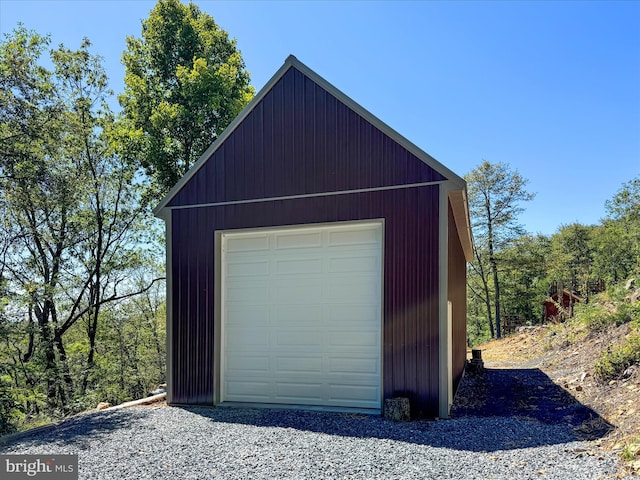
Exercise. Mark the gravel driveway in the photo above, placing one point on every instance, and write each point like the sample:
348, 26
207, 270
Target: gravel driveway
227, 443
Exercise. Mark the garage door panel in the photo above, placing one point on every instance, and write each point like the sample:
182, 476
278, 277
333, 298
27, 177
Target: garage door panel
301, 290
348, 365
340, 289
302, 316
350, 265
345, 394
247, 257
251, 269
353, 314
256, 365
368, 380
241, 339
302, 393
297, 240
249, 292
298, 266
353, 339
247, 316
351, 325
248, 243
298, 364
354, 237
248, 391
298, 315
299, 339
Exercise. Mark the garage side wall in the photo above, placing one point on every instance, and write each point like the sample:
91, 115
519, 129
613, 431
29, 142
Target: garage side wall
410, 298
457, 280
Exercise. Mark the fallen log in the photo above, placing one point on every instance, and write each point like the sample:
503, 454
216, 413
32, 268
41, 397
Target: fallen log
143, 401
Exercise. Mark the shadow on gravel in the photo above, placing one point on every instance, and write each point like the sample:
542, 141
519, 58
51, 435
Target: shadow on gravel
495, 410
526, 393
77, 430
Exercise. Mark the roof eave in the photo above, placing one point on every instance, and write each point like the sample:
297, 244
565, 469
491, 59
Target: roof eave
460, 207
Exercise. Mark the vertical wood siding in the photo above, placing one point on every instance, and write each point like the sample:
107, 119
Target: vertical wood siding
410, 318
300, 140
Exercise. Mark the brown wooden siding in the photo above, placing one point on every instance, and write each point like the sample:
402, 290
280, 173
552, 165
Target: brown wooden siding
458, 297
410, 323
299, 139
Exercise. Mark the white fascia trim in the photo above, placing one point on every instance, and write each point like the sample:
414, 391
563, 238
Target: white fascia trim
292, 61
217, 317
306, 195
460, 207
445, 363
169, 304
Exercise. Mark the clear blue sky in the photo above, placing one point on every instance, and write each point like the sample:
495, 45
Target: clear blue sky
551, 88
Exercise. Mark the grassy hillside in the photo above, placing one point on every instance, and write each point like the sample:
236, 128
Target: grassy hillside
595, 356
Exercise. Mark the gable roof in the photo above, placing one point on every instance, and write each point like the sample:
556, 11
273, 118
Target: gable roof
293, 62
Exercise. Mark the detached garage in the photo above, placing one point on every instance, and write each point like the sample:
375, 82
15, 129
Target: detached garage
315, 258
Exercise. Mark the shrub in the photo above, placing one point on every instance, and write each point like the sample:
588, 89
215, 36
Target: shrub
10, 412
631, 451
618, 359
631, 311
597, 317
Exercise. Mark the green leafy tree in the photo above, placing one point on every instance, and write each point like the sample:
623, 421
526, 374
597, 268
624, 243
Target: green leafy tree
496, 193
72, 205
185, 82
130, 355
38, 195
625, 205
524, 276
571, 256
9, 406
617, 239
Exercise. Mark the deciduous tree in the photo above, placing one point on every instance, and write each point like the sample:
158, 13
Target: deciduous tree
72, 206
617, 239
571, 256
185, 82
524, 276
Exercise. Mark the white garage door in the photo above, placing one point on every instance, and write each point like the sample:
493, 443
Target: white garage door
301, 316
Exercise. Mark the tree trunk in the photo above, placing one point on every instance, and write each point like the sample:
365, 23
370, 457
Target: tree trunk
50, 367
65, 389
487, 302
152, 318
92, 330
485, 287
494, 266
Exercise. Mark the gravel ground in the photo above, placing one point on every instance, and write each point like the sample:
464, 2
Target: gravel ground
228, 443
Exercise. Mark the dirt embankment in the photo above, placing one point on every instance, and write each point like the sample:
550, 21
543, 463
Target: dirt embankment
567, 354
